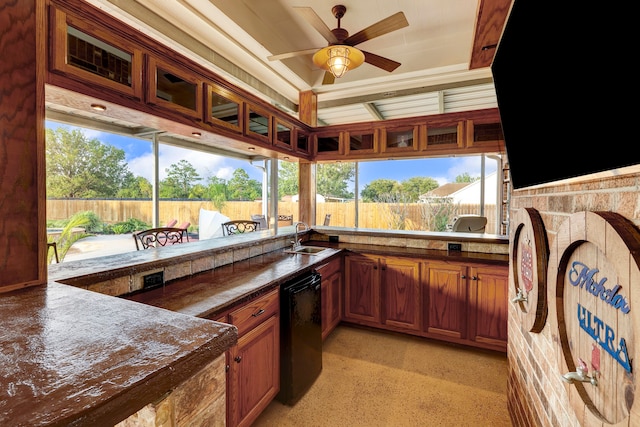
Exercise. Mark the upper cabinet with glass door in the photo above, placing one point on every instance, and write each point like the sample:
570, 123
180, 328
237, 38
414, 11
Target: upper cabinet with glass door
224, 108
445, 136
94, 55
399, 139
173, 88
257, 123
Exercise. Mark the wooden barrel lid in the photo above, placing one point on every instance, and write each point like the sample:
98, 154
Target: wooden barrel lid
594, 282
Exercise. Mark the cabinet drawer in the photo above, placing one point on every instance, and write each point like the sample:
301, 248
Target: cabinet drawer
255, 312
329, 268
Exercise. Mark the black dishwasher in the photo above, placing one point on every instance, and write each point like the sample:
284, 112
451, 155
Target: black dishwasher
300, 336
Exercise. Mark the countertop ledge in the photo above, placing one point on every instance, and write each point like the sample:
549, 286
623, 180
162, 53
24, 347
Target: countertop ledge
74, 357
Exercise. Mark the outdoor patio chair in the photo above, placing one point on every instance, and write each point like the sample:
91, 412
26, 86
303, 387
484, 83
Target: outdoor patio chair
239, 226
470, 224
327, 219
171, 223
184, 227
262, 220
54, 245
155, 237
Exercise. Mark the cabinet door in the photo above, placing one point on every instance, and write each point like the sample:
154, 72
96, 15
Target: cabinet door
445, 299
488, 306
254, 372
331, 302
362, 290
400, 286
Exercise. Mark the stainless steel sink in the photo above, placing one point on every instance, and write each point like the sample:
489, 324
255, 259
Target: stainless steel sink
307, 250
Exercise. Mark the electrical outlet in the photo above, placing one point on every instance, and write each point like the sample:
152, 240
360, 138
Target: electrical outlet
153, 280
454, 246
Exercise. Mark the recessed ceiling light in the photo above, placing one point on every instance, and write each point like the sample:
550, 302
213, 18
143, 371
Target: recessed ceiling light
252, 148
98, 107
198, 134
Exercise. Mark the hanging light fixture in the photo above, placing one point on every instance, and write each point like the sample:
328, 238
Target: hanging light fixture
338, 59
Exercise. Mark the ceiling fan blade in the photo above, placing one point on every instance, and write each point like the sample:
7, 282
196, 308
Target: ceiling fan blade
328, 78
380, 61
387, 25
314, 20
293, 54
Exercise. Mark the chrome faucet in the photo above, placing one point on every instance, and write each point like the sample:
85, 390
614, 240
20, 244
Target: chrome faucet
298, 242
581, 375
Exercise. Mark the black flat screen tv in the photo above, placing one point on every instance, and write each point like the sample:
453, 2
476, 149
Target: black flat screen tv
566, 90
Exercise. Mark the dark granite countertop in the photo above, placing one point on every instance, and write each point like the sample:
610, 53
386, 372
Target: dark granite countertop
210, 293
72, 357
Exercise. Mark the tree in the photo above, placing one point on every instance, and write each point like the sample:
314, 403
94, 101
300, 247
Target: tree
241, 187
288, 179
332, 179
180, 179
465, 177
379, 188
79, 167
412, 188
136, 187
217, 192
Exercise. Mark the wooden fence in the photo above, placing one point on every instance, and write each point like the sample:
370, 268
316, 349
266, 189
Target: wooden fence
371, 215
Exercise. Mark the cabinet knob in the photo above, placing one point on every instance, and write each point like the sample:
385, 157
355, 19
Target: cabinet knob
474, 278
238, 359
464, 276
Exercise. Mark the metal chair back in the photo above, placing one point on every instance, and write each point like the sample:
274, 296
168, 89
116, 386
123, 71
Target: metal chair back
239, 226
160, 236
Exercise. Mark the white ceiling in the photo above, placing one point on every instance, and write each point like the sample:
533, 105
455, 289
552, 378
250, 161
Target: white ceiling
235, 38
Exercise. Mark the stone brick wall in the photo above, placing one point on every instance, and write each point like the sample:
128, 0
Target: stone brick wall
537, 395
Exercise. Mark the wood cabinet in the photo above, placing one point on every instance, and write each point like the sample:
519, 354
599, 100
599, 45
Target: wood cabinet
455, 301
362, 289
488, 306
444, 290
382, 291
400, 288
253, 377
466, 303
331, 297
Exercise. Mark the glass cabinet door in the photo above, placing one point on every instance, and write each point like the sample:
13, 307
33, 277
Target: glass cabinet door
93, 54
400, 139
174, 89
257, 123
224, 108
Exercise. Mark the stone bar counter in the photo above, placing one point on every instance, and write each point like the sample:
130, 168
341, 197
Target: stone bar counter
72, 357
75, 353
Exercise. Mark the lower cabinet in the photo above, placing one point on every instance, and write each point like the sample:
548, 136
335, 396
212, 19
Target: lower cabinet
382, 291
466, 303
456, 301
253, 376
331, 296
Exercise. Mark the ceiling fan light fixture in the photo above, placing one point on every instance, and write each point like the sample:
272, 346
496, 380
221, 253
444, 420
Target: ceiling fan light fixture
338, 59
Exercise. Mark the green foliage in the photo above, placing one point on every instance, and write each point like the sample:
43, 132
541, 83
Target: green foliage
288, 173
136, 187
241, 187
129, 226
69, 236
379, 188
465, 177
181, 177
333, 179
412, 188
79, 167
217, 192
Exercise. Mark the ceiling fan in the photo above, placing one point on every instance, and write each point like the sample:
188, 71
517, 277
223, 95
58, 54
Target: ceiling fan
341, 54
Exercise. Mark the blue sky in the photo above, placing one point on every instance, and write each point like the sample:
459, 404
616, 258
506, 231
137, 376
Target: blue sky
139, 157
